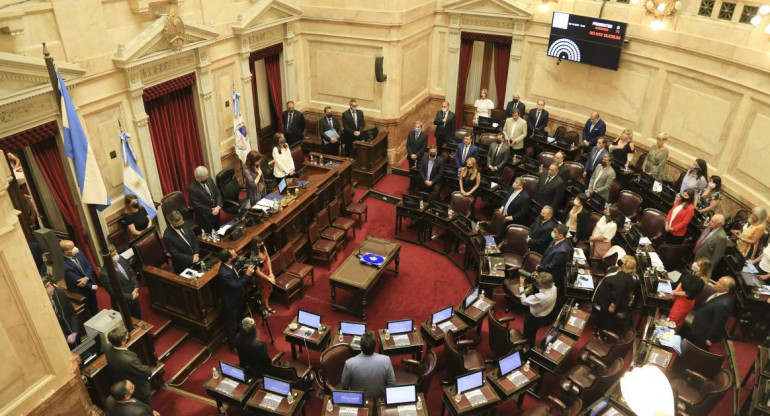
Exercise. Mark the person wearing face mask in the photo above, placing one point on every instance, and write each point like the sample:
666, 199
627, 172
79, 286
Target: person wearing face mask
593, 130
515, 131
283, 165
205, 199
469, 178
748, 237
79, 275
416, 143
696, 177
604, 231
431, 170
539, 237
232, 284
515, 106
710, 199
602, 178
328, 127
499, 154
577, 219
65, 312
180, 242
558, 160
550, 189
538, 118
679, 217
689, 286
555, 258
293, 124
612, 296
445, 125
137, 219
541, 305
129, 285
353, 125
124, 364
516, 204
595, 157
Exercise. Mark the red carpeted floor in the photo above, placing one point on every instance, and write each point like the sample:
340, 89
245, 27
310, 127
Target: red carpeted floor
427, 282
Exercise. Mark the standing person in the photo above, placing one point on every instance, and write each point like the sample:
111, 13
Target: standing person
541, 230
368, 372
416, 143
129, 285
253, 178
353, 125
623, 148
594, 129
265, 277
602, 178
483, 106
712, 241
515, 106
538, 118
431, 170
181, 242
465, 150
293, 124
689, 286
696, 177
762, 263
205, 199
550, 188
330, 145
121, 401
516, 204
556, 256
283, 163
469, 178
445, 125
748, 237
137, 219
65, 312
232, 284
679, 217
710, 199
79, 275
499, 154
541, 305
709, 322
252, 353
124, 364
515, 131
657, 157
577, 219
613, 295
595, 157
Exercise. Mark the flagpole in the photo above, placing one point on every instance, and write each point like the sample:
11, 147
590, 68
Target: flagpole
110, 266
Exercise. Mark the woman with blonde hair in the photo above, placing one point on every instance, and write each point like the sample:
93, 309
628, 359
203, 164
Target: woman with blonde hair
689, 286
469, 178
613, 295
483, 106
657, 157
623, 148
752, 231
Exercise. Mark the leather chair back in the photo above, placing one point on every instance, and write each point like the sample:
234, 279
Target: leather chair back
615, 188
287, 253
498, 116
507, 176
150, 250
652, 222
228, 184
496, 225
546, 158
459, 136
622, 347
323, 219
531, 261
629, 203
711, 392
575, 171
313, 232
500, 337
592, 220
286, 373
515, 240
560, 131
640, 162
486, 140
175, 201
453, 357
332, 363
277, 263
694, 358
530, 184
334, 209
267, 174
573, 136
603, 382
672, 255
426, 371
461, 204
298, 156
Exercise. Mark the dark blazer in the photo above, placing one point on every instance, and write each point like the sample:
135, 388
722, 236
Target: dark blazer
551, 193
564, 173
614, 288
555, 261
349, 126
65, 312
519, 106
203, 202
503, 156
127, 286
73, 272
323, 125
296, 132
591, 136
541, 124
438, 169
444, 131
518, 207
582, 224
231, 287
125, 364
540, 235
253, 357
181, 251
472, 151
416, 145
132, 408
594, 160
713, 247
710, 320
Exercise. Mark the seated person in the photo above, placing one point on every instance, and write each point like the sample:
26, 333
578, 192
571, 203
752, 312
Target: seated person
121, 401
80, 275
252, 352
137, 219
129, 285
540, 231
368, 371
205, 199
65, 312
181, 242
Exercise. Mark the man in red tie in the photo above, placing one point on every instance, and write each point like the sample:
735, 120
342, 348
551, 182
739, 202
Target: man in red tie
712, 241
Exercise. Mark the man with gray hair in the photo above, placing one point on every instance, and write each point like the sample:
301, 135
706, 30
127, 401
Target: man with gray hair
416, 143
129, 285
712, 241
205, 199
124, 364
181, 242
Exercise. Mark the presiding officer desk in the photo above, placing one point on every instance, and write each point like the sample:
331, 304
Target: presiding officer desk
194, 304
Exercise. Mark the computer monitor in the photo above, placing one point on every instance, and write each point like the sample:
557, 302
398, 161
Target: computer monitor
233, 372
442, 315
405, 394
470, 381
277, 386
282, 186
509, 363
564, 142
464, 222
348, 397
485, 121
410, 201
400, 327
308, 319
551, 337
352, 328
468, 301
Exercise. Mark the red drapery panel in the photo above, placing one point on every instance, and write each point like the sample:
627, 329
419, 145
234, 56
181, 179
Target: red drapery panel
48, 160
175, 84
175, 139
254, 57
502, 56
466, 50
273, 71
486, 37
29, 137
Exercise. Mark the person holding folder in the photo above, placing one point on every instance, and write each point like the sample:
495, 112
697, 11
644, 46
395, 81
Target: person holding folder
329, 129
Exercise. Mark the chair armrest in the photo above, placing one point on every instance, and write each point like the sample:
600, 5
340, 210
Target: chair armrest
520, 342
464, 343
571, 387
410, 363
506, 320
277, 358
694, 375
557, 403
609, 334
597, 363
308, 371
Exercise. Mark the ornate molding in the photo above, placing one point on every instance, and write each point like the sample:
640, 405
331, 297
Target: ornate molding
29, 110
265, 14
155, 71
488, 22
453, 50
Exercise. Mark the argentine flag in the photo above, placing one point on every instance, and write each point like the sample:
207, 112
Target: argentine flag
133, 180
88, 175
242, 145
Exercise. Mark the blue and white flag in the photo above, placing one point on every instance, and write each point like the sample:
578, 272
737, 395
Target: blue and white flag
76, 147
242, 145
133, 180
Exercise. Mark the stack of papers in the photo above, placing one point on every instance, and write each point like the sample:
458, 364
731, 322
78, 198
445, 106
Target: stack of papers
644, 241
264, 204
674, 276
550, 139
749, 268
224, 228
764, 290
655, 259
578, 254
657, 187
561, 347
517, 378
447, 326
584, 281
191, 274
576, 322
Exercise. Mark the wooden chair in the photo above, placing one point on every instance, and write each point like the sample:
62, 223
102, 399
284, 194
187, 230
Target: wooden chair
287, 285
461, 204
502, 338
697, 395
556, 405
324, 250
460, 359
345, 224
332, 363
328, 232
300, 375
651, 223
149, 248
608, 347
294, 267
495, 226
359, 209
628, 203
514, 246
590, 383
418, 372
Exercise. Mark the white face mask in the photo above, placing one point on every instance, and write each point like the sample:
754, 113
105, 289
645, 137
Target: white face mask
695, 267
75, 251
712, 185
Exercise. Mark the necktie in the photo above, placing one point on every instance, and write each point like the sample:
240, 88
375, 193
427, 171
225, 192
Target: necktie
497, 150
701, 240
206, 187
430, 167
537, 118
82, 270
444, 115
591, 163
184, 237
121, 270
355, 119
331, 123
291, 116
55, 309
465, 153
547, 179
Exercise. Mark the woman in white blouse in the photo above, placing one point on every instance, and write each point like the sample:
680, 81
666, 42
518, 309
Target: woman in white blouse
284, 164
483, 106
604, 231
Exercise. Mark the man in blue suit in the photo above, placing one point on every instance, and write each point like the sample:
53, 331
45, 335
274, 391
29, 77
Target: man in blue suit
593, 130
556, 256
710, 319
595, 157
465, 150
431, 170
516, 204
79, 275
232, 284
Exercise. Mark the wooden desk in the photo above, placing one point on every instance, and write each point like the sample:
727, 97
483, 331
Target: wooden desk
435, 337
237, 397
346, 339
464, 407
474, 315
572, 289
441, 222
551, 361
388, 346
392, 410
366, 410
415, 215
283, 409
359, 278
371, 160
576, 322
317, 341
505, 386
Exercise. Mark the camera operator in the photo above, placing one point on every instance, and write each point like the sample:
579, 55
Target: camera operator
265, 277
233, 281
541, 304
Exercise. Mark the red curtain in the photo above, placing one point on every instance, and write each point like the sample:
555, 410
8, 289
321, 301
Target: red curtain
466, 50
175, 138
273, 71
49, 161
502, 58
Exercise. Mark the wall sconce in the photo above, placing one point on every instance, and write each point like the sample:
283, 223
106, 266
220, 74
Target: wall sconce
545, 5
661, 9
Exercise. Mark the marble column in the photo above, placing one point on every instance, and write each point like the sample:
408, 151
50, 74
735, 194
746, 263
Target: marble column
453, 61
247, 95
143, 139
209, 138
288, 77
514, 65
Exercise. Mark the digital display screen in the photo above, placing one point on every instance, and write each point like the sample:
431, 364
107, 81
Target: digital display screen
352, 328
233, 372
586, 40
469, 382
308, 319
400, 327
509, 363
471, 298
401, 394
355, 398
276, 386
442, 315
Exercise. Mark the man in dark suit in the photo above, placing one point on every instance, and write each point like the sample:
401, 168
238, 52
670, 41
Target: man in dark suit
712, 241
252, 353
79, 275
121, 401
431, 170
416, 143
710, 319
129, 285
593, 130
516, 204
65, 313
465, 150
550, 190
516, 104
124, 364
602, 178
595, 157
556, 256
205, 199
499, 154
181, 242
540, 231
538, 118
564, 174
231, 288
330, 145
445, 125
293, 124
353, 125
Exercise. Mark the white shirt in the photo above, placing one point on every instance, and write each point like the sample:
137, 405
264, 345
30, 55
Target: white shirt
674, 213
605, 229
513, 196
284, 163
483, 107
540, 304
764, 264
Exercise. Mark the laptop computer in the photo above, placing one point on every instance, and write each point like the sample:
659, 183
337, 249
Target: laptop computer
442, 315
464, 222
403, 394
634, 236
564, 142
356, 329
348, 398
468, 301
439, 208
233, 372
646, 180
403, 326
469, 385
309, 322
664, 286
530, 164
667, 193
509, 363
282, 186
410, 201
276, 390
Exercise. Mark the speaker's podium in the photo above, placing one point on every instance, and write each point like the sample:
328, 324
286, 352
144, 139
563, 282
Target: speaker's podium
370, 156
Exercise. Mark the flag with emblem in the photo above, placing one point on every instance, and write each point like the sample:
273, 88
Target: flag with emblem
242, 145
133, 180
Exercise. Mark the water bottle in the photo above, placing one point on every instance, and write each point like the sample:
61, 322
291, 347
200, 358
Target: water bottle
418, 406
341, 337
329, 406
526, 366
548, 348
214, 235
311, 159
204, 236
214, 373
422, 205
322, 159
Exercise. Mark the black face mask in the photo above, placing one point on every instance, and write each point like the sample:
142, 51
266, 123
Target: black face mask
135, 205
178, 227
432, 155
328, 116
